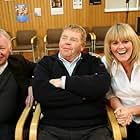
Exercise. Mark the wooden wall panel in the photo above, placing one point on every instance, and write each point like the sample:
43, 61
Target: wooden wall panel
89, 15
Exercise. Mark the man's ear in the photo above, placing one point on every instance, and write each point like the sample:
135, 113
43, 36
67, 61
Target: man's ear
82, 48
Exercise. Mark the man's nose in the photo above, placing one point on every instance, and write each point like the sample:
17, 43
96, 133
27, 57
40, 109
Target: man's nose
1, 52
68, 41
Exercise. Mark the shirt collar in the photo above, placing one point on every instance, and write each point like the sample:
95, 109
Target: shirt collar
2, 68
114, 63
64, 60
116, 66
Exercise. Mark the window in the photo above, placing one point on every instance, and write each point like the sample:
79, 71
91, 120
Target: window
121, 5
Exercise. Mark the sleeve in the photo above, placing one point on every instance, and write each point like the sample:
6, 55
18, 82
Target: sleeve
103, 59
110, 94
22, 68
94, 85
29, 67
47, 94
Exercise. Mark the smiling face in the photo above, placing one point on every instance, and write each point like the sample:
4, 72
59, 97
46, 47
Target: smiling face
5, 49
123, 44
122, 50
70, 45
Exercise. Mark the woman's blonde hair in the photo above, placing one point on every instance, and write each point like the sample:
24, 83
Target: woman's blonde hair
122, 32
79, 29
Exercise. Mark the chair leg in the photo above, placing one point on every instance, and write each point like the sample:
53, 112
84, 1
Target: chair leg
92, 46
38, 56
47, 52
34, 56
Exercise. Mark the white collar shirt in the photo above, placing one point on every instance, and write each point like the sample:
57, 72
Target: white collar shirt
127, 90
2, 68
70, 65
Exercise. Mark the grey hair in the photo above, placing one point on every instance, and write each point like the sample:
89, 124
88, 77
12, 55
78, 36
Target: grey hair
3, 33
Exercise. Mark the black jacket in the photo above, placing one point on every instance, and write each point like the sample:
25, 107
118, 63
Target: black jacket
82, 103
22, 71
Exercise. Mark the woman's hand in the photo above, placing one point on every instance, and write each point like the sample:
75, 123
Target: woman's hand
123, 115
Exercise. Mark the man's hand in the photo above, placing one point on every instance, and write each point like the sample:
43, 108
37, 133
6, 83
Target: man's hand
30, 98
56, 82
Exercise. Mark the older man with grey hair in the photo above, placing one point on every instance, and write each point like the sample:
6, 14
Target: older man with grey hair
15, 86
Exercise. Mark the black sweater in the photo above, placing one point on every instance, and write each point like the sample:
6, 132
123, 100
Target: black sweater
82, 103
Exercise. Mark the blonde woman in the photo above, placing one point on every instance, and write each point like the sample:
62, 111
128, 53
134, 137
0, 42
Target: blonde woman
122, 58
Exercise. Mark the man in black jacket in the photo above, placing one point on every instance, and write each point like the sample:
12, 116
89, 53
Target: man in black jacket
15, 86
71, 88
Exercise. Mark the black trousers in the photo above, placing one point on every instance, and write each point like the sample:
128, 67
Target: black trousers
133, 131
7, 132
53, 133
